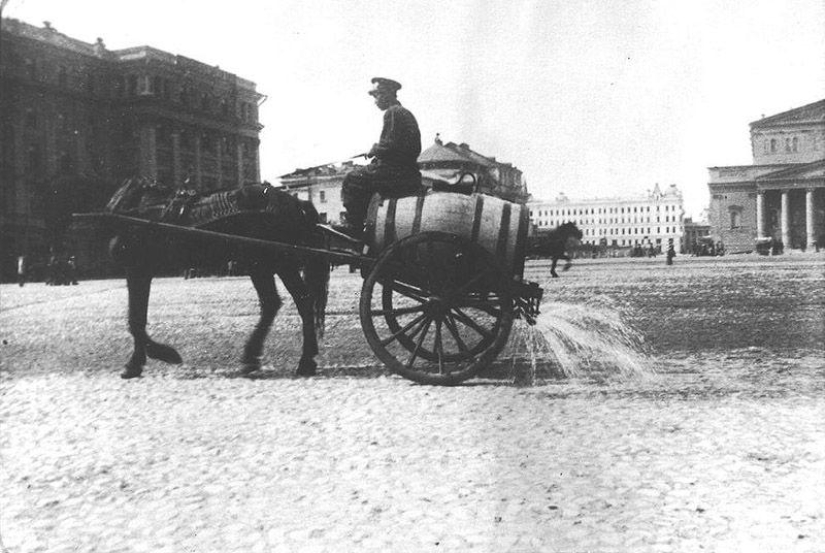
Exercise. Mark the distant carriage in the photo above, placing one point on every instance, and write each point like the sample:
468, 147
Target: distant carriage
443, 272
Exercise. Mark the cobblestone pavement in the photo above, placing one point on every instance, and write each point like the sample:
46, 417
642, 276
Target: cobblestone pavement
91, 463
722, 450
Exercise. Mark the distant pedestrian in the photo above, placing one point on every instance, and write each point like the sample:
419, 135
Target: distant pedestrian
671, 252
21, 270
71, 271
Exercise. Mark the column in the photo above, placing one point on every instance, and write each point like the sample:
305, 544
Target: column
786, 222
219, 144
257, 160
197, 175
148, 152
177, 170
239, 159
809, 219
760, 214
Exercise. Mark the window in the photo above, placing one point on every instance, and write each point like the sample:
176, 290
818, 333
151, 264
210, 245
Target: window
795, 144
322, 197
773, 145
735, 219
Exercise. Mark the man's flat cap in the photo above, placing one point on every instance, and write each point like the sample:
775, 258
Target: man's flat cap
380, 84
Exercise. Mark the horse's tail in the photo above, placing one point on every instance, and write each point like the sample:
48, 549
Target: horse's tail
316, 272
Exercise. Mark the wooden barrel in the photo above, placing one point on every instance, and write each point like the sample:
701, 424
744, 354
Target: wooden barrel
497, 225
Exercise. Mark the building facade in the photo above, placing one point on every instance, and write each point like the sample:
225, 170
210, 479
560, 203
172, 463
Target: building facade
78, 118
696, 234
447, 163
649, 220
782, 194
451, 162
321, 186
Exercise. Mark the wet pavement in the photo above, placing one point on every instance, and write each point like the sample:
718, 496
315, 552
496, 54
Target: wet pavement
719, 450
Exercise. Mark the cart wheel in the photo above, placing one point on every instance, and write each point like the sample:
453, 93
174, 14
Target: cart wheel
436, 308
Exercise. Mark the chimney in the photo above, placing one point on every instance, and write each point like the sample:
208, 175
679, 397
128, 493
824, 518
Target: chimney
438, 139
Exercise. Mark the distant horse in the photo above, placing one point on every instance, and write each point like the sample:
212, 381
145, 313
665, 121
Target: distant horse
554, 244
256, 211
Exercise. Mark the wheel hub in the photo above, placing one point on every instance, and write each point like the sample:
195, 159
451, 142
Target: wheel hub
436, 308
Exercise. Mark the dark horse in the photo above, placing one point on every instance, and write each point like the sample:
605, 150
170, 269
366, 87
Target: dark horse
554, 244
256, 211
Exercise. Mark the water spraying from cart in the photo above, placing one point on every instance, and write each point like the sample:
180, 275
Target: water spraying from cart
576, 341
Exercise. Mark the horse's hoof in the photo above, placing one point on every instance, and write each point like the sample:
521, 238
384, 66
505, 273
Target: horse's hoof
250, 367
131, 372
554, 275
164, 353
306, 369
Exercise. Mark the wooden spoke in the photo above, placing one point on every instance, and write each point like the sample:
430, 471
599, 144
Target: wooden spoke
402, 331
439, 347
451, 327
443, 310
471, 323
418, 344
409, 291
396, 311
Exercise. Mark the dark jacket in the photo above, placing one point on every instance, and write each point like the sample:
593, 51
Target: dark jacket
400, 142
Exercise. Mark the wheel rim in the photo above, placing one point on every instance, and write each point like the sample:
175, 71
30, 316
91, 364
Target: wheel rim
436, 308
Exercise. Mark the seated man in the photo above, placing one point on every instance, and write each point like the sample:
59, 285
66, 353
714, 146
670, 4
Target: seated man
393, 170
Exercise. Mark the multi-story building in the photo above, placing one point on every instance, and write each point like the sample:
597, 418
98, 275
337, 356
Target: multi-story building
322, 186
649, 220
450, 162
440, 162
782, 194
78, 118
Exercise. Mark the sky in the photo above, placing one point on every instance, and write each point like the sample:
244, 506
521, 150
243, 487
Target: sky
593, 98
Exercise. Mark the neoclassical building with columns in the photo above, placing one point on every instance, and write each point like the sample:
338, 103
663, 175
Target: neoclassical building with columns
76, 118
782, 194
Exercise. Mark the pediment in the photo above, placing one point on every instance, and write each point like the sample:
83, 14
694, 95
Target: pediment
802, 171
806, 114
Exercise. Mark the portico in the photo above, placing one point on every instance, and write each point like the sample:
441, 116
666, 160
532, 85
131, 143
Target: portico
782, 194
792, 215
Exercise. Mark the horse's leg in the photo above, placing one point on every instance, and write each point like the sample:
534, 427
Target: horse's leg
270, 303
553, 272
568, 264
303, 302
138, 283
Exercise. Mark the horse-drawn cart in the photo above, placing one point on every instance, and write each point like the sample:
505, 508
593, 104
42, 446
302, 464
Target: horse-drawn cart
443, 277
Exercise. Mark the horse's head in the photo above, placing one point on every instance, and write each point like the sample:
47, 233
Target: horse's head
570, 230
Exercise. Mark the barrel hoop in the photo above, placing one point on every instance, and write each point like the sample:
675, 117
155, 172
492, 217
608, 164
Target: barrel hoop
419, 209
521, 241
503, 231
477, 218
389, 222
